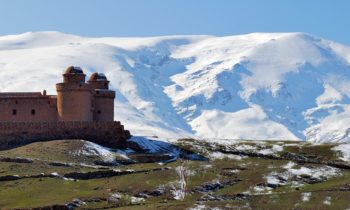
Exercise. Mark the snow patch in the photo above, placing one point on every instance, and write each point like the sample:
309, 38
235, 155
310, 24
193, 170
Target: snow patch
92, 149
320, 172
327, 201
261, 190
106, 154
289, 165
305, 197
55, 174
244, 147
97, 150
220, 156
135, 200
198, 207
275, 148
344, 149
324, 172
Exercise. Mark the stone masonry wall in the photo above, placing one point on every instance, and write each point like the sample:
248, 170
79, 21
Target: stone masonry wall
111, 134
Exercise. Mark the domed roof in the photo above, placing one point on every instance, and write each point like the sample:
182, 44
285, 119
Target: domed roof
98, 77
74, 70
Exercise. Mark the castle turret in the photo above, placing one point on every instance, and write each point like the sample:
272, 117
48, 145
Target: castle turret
103, 98
74, 96
74, 74
98, 81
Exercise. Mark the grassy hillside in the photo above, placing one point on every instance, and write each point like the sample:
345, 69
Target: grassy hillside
240, 175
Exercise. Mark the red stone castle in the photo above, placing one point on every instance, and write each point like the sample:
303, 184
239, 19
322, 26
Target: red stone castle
81, 110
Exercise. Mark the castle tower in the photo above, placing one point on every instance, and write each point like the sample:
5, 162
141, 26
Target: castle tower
74, 96
103, 98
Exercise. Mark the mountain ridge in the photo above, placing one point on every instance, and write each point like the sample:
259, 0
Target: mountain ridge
256, 86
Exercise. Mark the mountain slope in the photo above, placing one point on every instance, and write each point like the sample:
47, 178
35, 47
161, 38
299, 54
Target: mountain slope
256, 86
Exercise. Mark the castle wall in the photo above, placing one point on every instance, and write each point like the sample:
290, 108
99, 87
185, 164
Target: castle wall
103, 105
104, 109
111, 134
28, 108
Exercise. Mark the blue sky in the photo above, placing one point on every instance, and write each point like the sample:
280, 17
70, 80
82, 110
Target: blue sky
324, 18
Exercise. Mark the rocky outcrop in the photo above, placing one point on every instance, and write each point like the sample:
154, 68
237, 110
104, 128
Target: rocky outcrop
82, 175
225, 197
151, 158
106, 173
15, 160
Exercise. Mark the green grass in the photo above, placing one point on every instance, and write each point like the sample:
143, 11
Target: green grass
48, 191
22, 169
59, 151
323, 151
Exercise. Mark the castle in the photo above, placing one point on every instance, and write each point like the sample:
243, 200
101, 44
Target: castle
81, 110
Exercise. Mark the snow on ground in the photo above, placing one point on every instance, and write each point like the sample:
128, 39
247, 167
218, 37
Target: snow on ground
135, 200
344, 149
92, 149
327, 200
275, 148
261, 147
319, 172
289, 165
220, 156
260, 86
164, 147
324, 172
153, 146
244, 147
106, 154
260, 190
198, 207
273, 180
306, 196
55, 174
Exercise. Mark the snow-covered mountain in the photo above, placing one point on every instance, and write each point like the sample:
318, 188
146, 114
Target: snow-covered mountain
254, 86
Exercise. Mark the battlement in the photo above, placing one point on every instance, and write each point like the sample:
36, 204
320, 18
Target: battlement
21, 95
73, 86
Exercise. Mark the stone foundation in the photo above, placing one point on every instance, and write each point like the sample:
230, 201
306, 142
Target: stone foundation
110, 134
